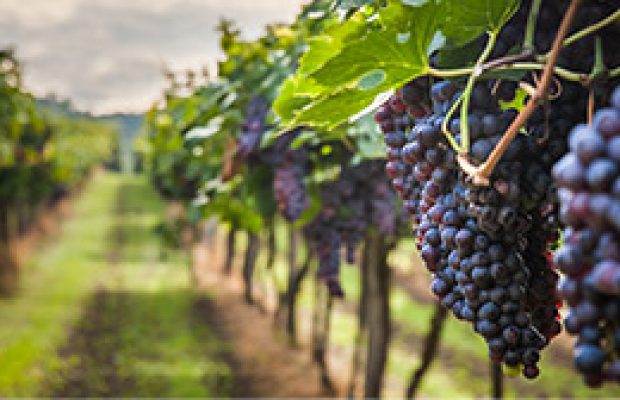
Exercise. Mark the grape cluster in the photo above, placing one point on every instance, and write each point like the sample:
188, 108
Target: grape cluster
361, 197
489, 248
579, 56
395, 117
589, 177
289, 166
288, 185
253, 128
475, 240
520, 205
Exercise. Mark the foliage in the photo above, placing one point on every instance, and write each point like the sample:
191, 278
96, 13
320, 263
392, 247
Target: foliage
322, 76
353, 63
43, 152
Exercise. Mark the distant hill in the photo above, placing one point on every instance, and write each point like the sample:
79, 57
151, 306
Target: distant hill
129, 125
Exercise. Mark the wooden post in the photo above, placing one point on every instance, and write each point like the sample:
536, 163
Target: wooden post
431, 346
378, 314
231, 244
251, 254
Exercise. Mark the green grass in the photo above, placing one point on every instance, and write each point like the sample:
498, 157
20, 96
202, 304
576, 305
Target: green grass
166, 344
147, 316
52, 287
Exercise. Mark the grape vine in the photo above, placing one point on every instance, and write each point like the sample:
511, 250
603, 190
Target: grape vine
481, 121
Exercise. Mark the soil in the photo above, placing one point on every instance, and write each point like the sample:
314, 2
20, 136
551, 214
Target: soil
264, 364
94, 370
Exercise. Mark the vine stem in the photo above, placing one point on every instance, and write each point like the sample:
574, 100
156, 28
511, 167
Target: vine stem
590, 106
510, 59
470, 86
528, 42
517, 66
592, 28
444, 126
559, 71
463, 147
481, 174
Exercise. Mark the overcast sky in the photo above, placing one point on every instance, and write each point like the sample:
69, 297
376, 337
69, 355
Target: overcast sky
107, 55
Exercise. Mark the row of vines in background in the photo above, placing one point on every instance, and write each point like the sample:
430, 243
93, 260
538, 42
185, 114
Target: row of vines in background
485, 112
44, 154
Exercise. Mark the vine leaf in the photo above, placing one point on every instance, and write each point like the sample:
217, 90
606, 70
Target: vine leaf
351, 64
327, 45
346, 5
379, 51
465, 20
369, 63
229, 208
292, 97
335, 108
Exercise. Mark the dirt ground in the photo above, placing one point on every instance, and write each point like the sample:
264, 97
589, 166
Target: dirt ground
265, 365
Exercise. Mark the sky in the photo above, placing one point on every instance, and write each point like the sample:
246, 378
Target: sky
109, 55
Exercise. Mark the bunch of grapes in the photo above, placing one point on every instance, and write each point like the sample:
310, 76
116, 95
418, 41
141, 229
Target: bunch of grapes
253, 128
360, 198
395, 118
520, 205
589, 177
288, 185
489, 247
290, 167
474, 240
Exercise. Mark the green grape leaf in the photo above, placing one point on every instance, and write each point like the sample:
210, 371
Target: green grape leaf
379, 51
235, 211
327, 45
292, 97
465, 20
350, 65
381, 59
321, 48
332, 110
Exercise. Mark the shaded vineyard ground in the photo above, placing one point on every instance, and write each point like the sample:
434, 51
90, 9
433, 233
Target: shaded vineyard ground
461, 370
54, 281
141, 333
146, 332
108, 310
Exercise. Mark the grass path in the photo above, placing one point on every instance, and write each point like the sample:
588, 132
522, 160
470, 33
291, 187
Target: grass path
53, 284
105, 312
